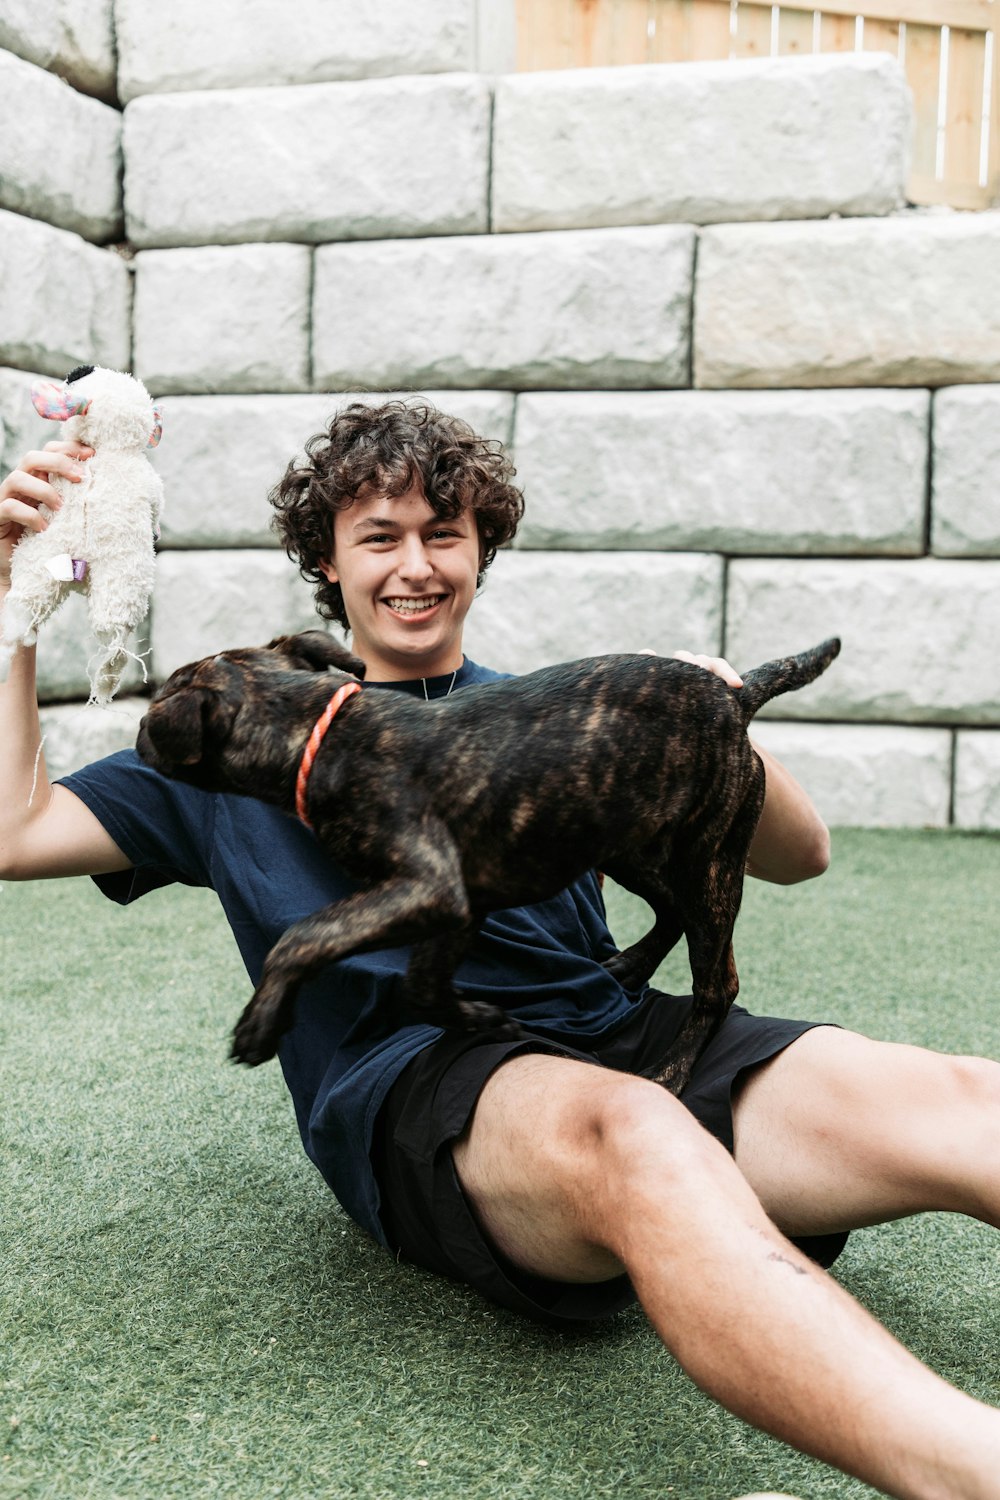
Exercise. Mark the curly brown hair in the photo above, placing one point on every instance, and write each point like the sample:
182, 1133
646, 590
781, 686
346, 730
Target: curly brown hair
389, 448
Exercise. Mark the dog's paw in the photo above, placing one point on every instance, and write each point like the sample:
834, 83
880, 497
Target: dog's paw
254, 1040
479, 1016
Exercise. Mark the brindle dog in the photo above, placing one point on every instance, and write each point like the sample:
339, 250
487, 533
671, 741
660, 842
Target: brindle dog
498, 796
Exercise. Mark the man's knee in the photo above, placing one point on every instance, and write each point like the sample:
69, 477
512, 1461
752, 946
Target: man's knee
639, 1146
561, 1155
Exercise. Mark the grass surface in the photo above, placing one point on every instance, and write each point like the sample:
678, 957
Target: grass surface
186, 1312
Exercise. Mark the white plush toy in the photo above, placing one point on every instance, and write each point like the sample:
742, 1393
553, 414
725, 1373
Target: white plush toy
101, 542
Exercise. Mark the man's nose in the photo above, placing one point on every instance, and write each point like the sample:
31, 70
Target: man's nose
415, 560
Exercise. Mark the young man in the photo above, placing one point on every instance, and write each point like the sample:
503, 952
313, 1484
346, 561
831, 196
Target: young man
549, 1172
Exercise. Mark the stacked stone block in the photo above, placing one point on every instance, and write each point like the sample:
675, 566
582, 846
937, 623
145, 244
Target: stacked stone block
752, 398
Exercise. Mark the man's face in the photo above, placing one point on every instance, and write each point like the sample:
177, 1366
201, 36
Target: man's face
408, 578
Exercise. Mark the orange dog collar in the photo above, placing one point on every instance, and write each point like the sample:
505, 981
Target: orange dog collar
309, 754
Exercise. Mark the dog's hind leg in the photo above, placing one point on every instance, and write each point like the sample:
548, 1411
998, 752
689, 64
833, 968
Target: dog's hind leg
645, 877
709, 908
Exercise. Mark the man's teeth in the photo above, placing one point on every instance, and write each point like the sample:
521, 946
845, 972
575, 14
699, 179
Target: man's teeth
414, 606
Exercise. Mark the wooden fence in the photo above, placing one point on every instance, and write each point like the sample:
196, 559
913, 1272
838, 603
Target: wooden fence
950, 50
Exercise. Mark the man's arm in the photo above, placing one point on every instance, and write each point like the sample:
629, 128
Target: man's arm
792, 842
44, 830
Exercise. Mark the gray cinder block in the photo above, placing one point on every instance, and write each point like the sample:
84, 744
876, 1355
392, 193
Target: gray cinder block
702, 143
591, 308
23, 428
67, 37
330, 161
243, 43
61, 152
537, 608
867, 775
913, 299
210, 601
918, 636
63, 302
75, 734
738, 471
977, 778
223, 318
965, 504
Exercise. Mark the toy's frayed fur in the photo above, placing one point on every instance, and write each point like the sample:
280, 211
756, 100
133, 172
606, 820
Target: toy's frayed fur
108, 520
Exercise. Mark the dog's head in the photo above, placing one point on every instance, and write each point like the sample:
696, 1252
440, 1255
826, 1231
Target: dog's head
236, 721
104, 408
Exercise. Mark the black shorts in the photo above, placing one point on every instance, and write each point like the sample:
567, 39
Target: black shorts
426, 1216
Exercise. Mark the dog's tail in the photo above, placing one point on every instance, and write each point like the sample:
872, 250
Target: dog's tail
783, 676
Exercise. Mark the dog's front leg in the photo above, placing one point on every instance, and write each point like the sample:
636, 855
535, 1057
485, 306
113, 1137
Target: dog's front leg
429, 995
398, 911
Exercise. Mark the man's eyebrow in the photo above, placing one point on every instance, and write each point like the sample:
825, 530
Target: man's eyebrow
377, 522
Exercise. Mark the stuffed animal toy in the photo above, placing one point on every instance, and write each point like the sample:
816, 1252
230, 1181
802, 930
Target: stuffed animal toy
101, 542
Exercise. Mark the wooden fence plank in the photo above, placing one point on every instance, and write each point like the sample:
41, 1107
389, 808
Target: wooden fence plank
922, 61
542, 35
795, 32
689, 31
993, 174
591, 32
710, 31
881, 36
669, 41
753, 31
837, 33
631, 42
964, 111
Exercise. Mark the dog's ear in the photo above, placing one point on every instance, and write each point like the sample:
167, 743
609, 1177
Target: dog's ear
315, 651
175, 727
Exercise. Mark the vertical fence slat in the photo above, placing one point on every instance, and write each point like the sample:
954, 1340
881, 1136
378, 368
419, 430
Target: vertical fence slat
836, 33
591, 31
795, 32
964, 116
542, 35
710, 37
689, 31
881, 36
753, 31
923, 66
631, 43
668, 41
993, 178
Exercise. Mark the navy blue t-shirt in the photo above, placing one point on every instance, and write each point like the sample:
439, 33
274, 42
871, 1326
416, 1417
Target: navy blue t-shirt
341, 1056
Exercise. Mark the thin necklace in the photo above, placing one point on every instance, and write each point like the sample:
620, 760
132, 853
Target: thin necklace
440, 695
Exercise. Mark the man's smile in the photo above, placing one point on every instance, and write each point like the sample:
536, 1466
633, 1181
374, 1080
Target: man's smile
413, 605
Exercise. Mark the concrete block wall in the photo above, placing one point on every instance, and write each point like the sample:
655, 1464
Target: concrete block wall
752, 396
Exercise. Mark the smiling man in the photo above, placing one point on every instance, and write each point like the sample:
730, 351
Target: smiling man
549, 1172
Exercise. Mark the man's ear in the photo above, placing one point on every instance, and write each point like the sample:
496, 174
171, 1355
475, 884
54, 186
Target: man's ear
329, 571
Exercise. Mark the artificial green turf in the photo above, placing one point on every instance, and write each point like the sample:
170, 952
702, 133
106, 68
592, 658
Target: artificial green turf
186, 1312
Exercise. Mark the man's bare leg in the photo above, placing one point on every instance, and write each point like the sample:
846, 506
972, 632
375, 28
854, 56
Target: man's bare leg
576, 1172
839, 1131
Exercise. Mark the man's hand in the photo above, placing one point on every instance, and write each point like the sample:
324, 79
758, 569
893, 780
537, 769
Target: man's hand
716, 664
28, 486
